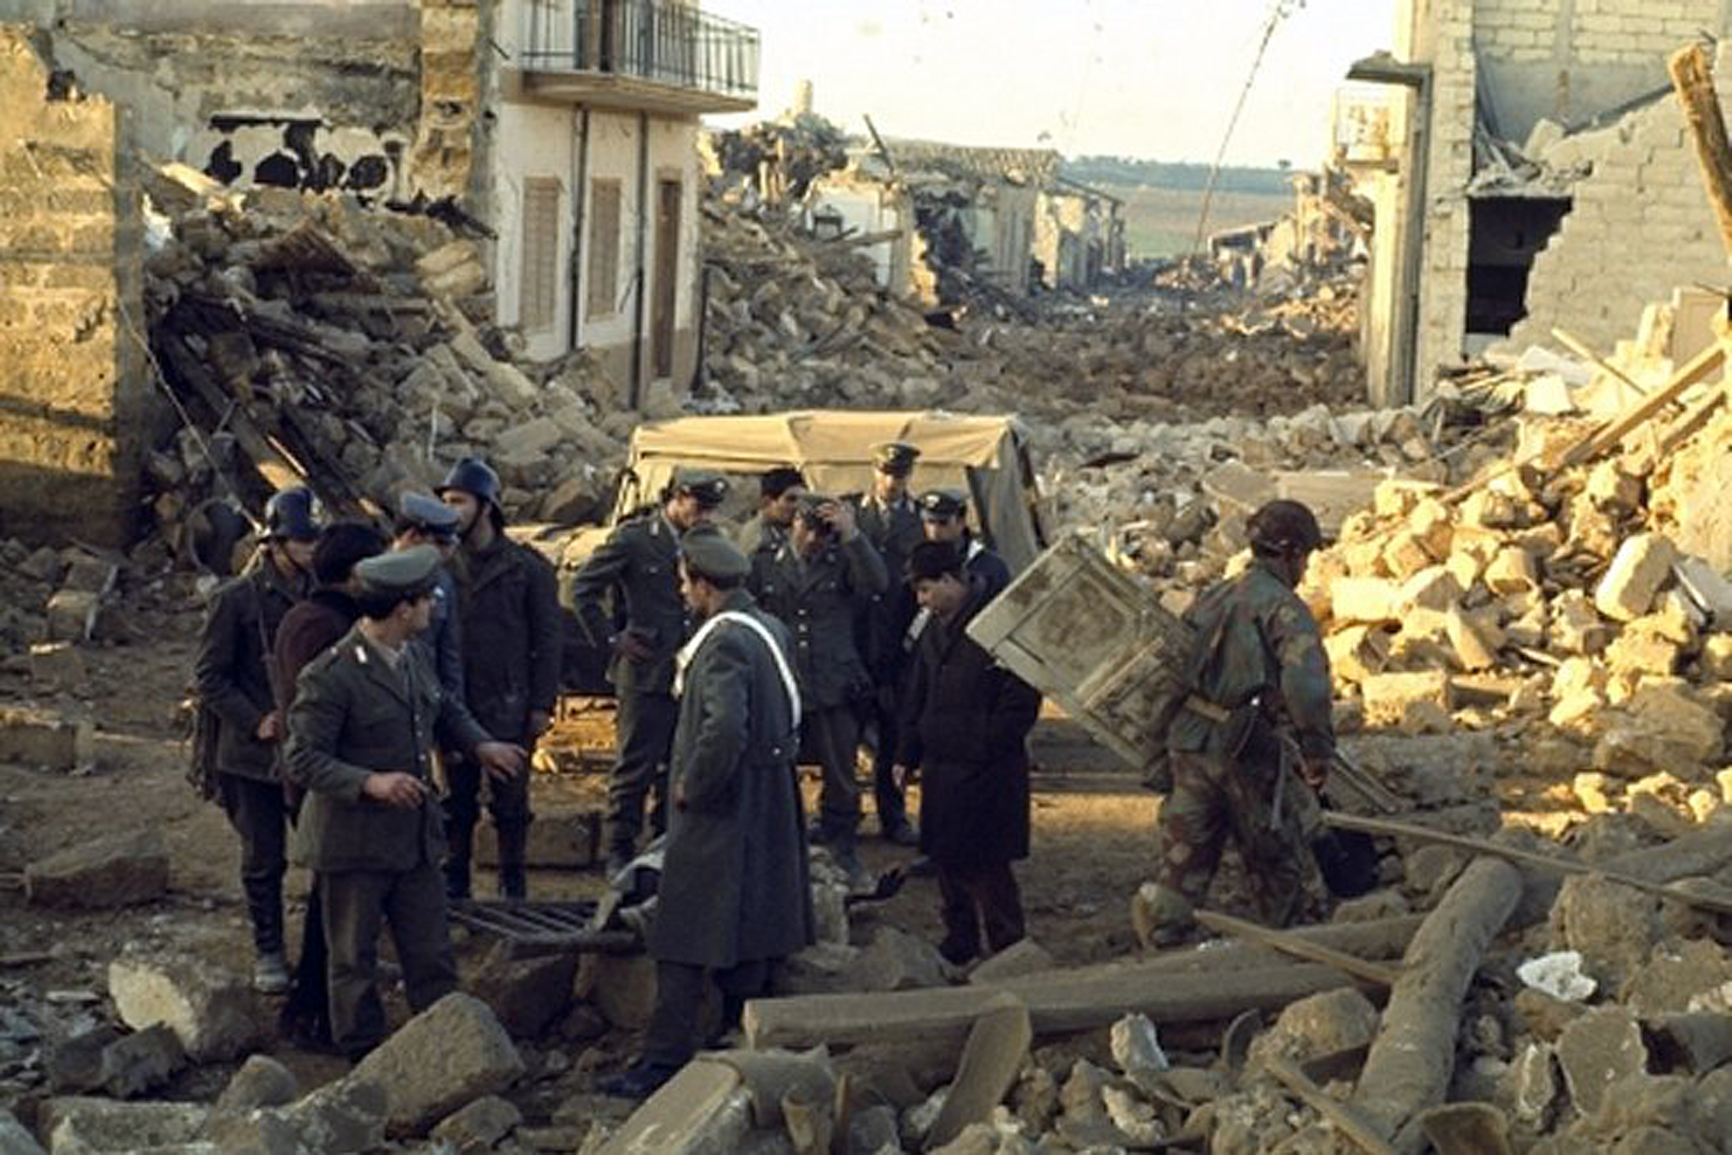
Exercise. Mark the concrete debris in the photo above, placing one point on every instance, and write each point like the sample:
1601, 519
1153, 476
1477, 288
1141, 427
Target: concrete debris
1559, 975
260, 1082
213, 1012
345, 1117
1597, 1050
449, 1055
479, 1126
81, 1124
118, 870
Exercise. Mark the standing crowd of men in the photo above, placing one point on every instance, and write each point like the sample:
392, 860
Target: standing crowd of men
374, 695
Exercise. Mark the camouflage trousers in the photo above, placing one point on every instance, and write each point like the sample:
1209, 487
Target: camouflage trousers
1213, 800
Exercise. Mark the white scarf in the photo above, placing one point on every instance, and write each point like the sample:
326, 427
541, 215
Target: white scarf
690, 651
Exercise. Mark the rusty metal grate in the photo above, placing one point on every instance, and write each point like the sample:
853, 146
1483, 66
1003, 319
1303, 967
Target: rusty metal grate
542, 925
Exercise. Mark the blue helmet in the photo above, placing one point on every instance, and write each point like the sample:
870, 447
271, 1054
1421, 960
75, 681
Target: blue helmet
474, 477
293, 514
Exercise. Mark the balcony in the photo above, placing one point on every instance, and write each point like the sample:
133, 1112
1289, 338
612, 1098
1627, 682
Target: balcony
659, 56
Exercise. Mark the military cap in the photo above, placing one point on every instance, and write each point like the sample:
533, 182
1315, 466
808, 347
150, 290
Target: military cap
895, 457
708, 486
812, 500
943, 503
429, 515
709, 552
407, 572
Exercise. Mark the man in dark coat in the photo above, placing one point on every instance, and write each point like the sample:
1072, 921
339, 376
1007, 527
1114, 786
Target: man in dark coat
818, 584
944, 517
233, 675
424, 520
779, 493
637, 570
890, 520
308, 630
362, 730
735, 893
965, 729
511, 631
1260, 668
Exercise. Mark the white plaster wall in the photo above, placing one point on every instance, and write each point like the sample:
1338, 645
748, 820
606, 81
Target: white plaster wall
865, 210
532, 140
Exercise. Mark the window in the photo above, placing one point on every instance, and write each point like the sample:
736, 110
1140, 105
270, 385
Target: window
539, 287
603, 247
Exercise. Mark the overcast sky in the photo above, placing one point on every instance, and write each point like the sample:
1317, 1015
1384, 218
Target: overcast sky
1144, 78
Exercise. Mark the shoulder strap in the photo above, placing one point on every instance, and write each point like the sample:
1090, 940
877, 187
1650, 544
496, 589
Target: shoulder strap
690, 649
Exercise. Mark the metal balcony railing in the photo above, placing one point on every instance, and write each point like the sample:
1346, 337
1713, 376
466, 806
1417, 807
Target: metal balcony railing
657, 40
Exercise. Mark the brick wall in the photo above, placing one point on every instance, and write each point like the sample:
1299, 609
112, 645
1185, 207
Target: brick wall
73, 391
1443, 271
1641, 226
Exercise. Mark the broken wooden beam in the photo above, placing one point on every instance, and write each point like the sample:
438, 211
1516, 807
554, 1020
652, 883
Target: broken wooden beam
1412, 1058
1691, 373
1057, 1001
1525, 857
1292, 944
996, 1047
1345, 1118
1693, 78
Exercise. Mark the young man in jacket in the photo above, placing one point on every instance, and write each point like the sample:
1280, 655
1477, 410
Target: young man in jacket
509, 623
233, 674
735, 892
367, 714
423, 520
965, 729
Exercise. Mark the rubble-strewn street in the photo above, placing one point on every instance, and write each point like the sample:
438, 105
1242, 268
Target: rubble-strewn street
289, 266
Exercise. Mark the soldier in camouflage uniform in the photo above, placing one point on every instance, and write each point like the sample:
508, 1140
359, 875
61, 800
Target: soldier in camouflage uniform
1260, 716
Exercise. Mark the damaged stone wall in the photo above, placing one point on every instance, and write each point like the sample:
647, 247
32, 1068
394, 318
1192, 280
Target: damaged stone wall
73, 399
1640, 228
444, 157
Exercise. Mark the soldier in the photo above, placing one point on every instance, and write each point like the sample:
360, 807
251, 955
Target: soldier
234, 682
944, 517
423, 520
735, 895
779, 493
639, 564
817, 584
509, 622
890, 519
1261, 680
965, 728
361, 733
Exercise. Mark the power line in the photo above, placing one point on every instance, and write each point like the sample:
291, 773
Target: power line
1279, 10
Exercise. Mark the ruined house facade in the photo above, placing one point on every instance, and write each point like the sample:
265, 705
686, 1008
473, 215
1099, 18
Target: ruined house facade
565, 129
1530, 170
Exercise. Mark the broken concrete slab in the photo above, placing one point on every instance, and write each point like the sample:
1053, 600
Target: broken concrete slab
528, 994
42, 738
14, 1139
85, 1124
72, 615
1322, 1024
1638, 570
212, 1011
260, 1082
451, 1053
1596, 1050
1022, 957
140, 1062
1675, 973
704, 1108
1411, 701
897, 961
996, 1047
345, 1117
118, 870
479, 1126
57, 666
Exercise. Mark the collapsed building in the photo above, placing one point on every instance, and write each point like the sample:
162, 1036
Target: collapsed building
1530, 170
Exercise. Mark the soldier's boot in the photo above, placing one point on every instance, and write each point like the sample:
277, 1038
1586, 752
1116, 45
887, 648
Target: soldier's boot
513, 878
1161, 916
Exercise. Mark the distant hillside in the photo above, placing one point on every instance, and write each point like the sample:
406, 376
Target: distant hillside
1124, 170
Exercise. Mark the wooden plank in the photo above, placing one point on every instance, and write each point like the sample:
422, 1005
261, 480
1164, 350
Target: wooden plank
1378, 973
1693, 419
1580, 349
1058, 1003
997, 1044
1526, 857
1693, 78
1699, 367
1345, 1118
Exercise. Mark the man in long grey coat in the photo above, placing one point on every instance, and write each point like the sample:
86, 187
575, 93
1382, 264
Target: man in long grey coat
735, 895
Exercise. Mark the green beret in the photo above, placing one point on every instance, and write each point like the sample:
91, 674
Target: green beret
708, 486
943, 503
708, 552
895, 457
408, 571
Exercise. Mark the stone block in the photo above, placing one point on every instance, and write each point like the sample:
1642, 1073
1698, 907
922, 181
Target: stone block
260, 1082
1474, 639
450, 1054
1411, 701
578, 500
1575, 626
1598, 1049
1512, 571
1433, 588
1690, 724
1321, 1024
1676, 972
77, 1123
211, 1010
140, 1062
1640, 651
72, 615
897, 961
87, 573
1612, 926
527, 994
1706, 587
1369, 600
622, 987
478, 1127
1434, 525
346, 1117
531, 438
15, 1139
42, 738
119, 870
1717, 657
1357, 653
57, 666
446, 257
1405, 555
462, 280
1022, 957
1638, 570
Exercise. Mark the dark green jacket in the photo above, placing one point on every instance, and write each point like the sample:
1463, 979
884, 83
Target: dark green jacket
820, 602
1267, 642
354, 716
240, 629
894, 532
734, 885
638, 566
510, 629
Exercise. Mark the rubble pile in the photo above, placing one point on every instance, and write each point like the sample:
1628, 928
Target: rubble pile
311, 337
775, 159
1552, 601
